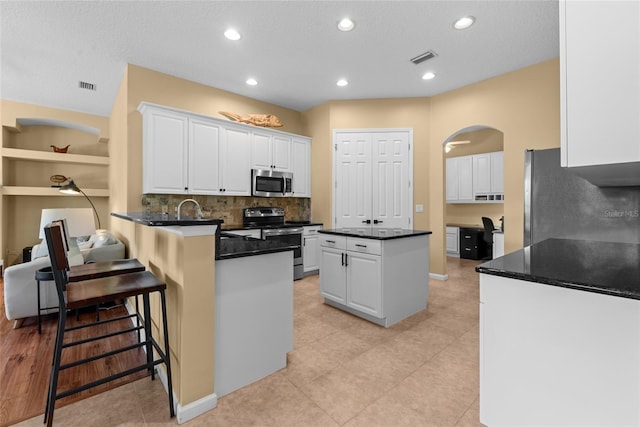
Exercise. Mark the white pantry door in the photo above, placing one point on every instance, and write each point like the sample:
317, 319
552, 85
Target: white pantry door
352, 183
390, 179
372, 174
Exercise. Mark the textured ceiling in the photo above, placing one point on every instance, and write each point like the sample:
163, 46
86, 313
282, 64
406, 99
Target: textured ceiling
292, 48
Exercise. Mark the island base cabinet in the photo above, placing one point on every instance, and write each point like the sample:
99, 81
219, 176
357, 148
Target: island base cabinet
364, 275
253, 319
333, 281
381, 281
556, 356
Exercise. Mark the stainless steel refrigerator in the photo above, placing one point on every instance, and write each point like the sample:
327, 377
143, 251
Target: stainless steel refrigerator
561, 204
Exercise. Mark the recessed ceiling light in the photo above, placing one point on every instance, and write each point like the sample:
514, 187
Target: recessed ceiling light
251, 82
342, 82
346, 24
464, 22
232, 34
428, 75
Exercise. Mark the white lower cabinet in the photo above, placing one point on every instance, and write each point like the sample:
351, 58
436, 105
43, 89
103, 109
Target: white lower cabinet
310, 246
453, 241
333, 277
383, 281
364, 279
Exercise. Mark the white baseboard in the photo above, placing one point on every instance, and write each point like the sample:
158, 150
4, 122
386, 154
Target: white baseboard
191, 410
438, 276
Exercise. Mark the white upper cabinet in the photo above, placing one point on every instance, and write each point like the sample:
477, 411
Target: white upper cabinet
497, 172
270, 151
478, 178
481, 173
165, 151
459, 177
188, 153
600, 90
235, 161
204, 157
301, 160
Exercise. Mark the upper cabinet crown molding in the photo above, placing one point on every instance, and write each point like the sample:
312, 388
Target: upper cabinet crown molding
600, 91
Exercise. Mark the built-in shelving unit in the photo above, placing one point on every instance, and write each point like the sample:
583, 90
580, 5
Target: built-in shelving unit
14, 190
44, 156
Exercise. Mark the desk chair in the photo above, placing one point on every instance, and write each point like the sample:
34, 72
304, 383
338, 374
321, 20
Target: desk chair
88, 293
488, 235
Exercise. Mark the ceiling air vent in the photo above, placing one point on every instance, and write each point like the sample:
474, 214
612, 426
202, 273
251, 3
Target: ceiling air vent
424, 57
86, 85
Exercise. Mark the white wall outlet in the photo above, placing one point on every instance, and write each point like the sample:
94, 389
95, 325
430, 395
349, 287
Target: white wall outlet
419, 208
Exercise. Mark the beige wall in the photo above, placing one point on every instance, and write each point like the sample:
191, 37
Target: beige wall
524, 105
20, 215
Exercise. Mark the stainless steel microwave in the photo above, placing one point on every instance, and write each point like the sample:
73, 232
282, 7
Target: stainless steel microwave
269, 183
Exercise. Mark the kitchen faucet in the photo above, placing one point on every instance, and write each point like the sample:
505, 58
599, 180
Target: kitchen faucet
198, 210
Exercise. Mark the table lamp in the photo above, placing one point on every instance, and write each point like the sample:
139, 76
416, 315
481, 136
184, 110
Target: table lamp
72, 188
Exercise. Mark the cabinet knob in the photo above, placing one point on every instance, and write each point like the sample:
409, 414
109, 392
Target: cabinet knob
186, 188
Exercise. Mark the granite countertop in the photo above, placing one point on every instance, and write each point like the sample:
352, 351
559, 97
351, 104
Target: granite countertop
159, 220
230, 246
376, 233
460, 225
602, 267
287, 224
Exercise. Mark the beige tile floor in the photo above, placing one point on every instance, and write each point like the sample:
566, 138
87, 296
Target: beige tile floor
343, 371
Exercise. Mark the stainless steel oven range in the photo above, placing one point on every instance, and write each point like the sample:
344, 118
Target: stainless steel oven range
271, 222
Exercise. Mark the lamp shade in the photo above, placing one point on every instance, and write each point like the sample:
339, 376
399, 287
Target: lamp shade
80, 221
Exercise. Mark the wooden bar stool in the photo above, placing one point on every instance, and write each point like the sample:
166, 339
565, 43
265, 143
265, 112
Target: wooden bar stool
85, 272
88, 293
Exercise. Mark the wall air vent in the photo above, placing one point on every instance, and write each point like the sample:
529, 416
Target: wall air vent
86, 85
424, 57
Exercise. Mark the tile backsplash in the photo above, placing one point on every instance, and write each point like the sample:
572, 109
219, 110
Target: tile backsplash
228, 208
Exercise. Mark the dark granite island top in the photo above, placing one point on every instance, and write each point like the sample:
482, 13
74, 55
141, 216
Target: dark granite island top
163, 220
375, 233
602, 267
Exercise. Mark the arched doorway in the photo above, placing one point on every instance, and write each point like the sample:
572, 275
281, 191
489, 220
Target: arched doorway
478, 146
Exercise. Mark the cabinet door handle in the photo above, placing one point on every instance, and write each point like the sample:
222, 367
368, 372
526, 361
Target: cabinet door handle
375, 221
342, 263
366, 221
331, 241
361, 246
346, 260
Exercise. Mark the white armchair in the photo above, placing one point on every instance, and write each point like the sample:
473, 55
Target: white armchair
20, 293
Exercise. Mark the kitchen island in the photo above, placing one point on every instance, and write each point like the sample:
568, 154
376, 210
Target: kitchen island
253, 310
560, 335
229, 303
379, 274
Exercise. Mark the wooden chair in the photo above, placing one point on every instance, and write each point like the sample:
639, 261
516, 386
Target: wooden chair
88, 293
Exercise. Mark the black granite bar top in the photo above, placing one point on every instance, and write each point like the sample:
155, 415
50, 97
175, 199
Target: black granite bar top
243, 246
375, 233
159, 220
602, 267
